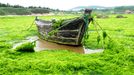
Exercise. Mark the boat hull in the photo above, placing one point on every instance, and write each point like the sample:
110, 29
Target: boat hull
70, 32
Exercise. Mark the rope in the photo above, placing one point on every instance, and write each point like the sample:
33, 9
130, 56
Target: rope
95, 25
30, 25
101, 28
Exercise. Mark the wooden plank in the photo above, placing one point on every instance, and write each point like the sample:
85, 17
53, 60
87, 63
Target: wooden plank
69, 30
77, 42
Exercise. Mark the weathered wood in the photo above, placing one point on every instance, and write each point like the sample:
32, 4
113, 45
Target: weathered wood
69, 32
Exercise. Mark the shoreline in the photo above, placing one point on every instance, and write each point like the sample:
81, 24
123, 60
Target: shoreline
28, 15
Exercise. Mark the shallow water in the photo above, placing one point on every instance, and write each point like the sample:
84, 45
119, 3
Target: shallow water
42, 45
45, 45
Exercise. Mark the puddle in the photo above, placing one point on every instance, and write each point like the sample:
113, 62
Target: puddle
91, 51
42, 45
45, 45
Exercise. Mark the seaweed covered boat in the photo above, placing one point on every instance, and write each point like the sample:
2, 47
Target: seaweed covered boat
69, 31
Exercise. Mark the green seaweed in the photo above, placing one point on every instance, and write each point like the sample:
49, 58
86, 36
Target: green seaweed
26, 47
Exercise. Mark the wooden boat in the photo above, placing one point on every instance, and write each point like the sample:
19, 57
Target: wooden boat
69, 32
